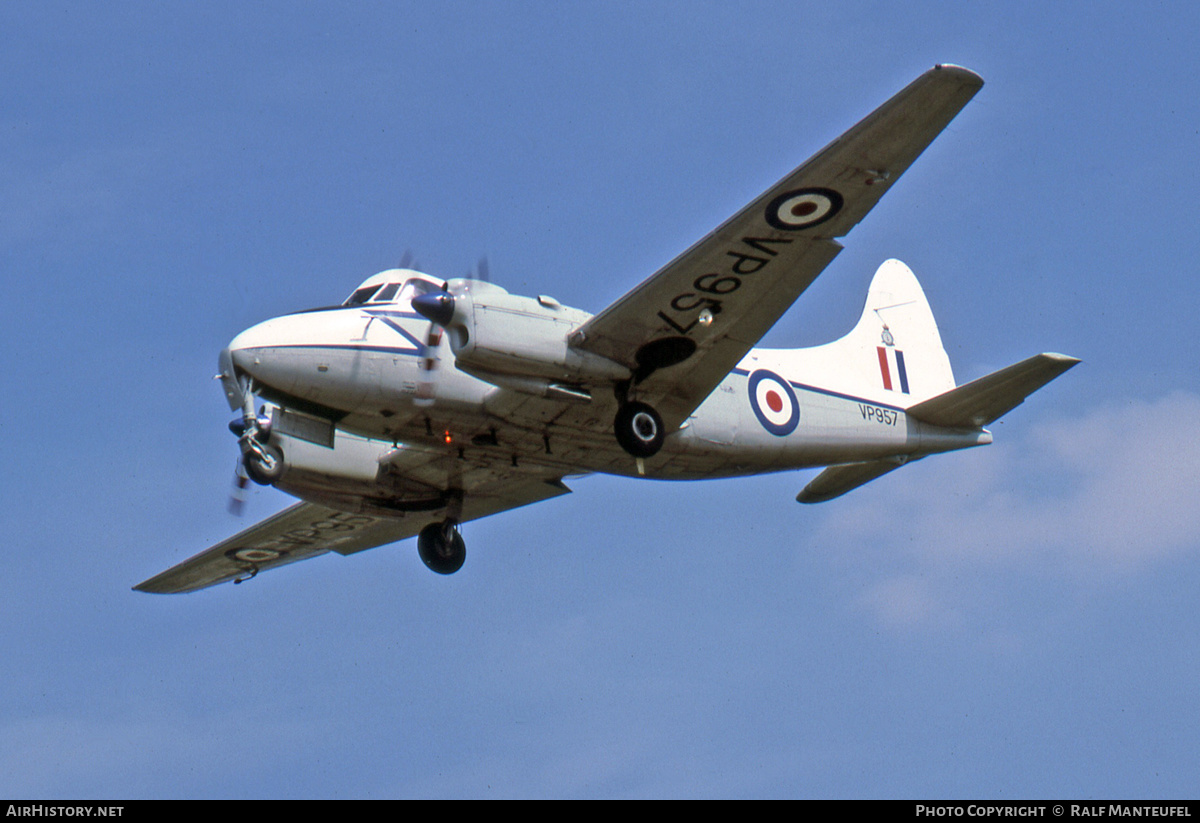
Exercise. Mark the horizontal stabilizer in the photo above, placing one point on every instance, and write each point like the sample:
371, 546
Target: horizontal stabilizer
984, 400
837, 480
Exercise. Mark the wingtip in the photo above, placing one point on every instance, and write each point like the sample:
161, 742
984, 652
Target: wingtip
1066, 360
142, 587
159, 585
962, 72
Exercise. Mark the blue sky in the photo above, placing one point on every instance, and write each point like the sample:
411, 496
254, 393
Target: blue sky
1014, 621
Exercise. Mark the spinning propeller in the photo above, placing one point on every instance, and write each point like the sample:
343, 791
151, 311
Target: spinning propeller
408, 261
427, 387
438, 308
239, 425
237, 494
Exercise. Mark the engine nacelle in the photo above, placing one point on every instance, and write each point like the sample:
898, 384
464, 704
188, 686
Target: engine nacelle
493, 332
324, 464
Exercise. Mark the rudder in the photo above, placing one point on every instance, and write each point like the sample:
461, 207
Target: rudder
894, 354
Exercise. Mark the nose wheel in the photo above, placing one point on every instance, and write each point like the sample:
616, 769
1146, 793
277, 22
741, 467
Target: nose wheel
639, 429
262, 461
441, 547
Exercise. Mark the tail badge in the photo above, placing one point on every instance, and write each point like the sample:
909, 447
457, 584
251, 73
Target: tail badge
891, 364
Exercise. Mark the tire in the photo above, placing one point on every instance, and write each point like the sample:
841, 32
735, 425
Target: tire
639, 430
265, 468
439, 555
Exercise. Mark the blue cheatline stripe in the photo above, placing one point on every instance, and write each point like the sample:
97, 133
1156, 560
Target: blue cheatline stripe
903, 373
348, 346
831, 393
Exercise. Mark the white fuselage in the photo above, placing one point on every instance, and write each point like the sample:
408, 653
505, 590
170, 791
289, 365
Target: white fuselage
364, 366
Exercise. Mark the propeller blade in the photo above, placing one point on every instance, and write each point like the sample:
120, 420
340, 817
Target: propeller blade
427, 387
480, 271
237, 495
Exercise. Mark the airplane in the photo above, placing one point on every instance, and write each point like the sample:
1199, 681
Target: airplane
419, 404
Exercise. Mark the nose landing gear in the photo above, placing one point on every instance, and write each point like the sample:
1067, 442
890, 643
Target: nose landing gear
262, 462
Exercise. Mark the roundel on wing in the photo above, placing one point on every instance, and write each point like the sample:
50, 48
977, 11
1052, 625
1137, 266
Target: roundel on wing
774, 403
802, 208
252, 555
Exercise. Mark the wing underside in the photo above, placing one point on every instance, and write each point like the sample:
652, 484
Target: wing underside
306, 530
687, 326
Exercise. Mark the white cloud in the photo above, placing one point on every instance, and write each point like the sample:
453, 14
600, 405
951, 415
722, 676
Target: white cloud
1079, 500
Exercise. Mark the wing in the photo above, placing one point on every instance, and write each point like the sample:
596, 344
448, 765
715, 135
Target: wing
307, 530
685, 328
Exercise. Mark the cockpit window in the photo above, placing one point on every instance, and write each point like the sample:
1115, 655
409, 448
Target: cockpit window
361, 296
388, 292
414, 287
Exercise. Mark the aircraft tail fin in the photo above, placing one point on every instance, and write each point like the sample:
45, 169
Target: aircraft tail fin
984, 400
893, 355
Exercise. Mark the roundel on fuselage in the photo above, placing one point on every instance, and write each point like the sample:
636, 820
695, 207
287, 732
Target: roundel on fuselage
774, 403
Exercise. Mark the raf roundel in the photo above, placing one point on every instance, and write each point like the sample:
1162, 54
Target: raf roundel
803, 208
254, 555
774, 403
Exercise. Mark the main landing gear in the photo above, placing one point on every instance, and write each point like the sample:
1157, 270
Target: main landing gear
441, 547
639, 429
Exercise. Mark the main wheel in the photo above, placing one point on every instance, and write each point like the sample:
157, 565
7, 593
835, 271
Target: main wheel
639, 429
441, 548
266, 467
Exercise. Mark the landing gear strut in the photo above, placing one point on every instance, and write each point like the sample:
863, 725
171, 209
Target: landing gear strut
441, 547
262, 462
639, 429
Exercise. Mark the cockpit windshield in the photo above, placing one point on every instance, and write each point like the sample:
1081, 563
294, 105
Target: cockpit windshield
415, 287
361, 296
387, 293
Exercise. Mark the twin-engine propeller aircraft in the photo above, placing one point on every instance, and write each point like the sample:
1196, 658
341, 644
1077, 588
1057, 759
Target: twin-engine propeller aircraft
420, 404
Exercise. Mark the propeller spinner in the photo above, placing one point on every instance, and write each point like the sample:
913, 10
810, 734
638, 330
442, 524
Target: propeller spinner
435, 306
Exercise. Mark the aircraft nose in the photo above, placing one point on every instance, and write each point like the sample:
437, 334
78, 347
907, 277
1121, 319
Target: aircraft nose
243, 349
314, 356
249, 354
437, 306
265, 352
241, 360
